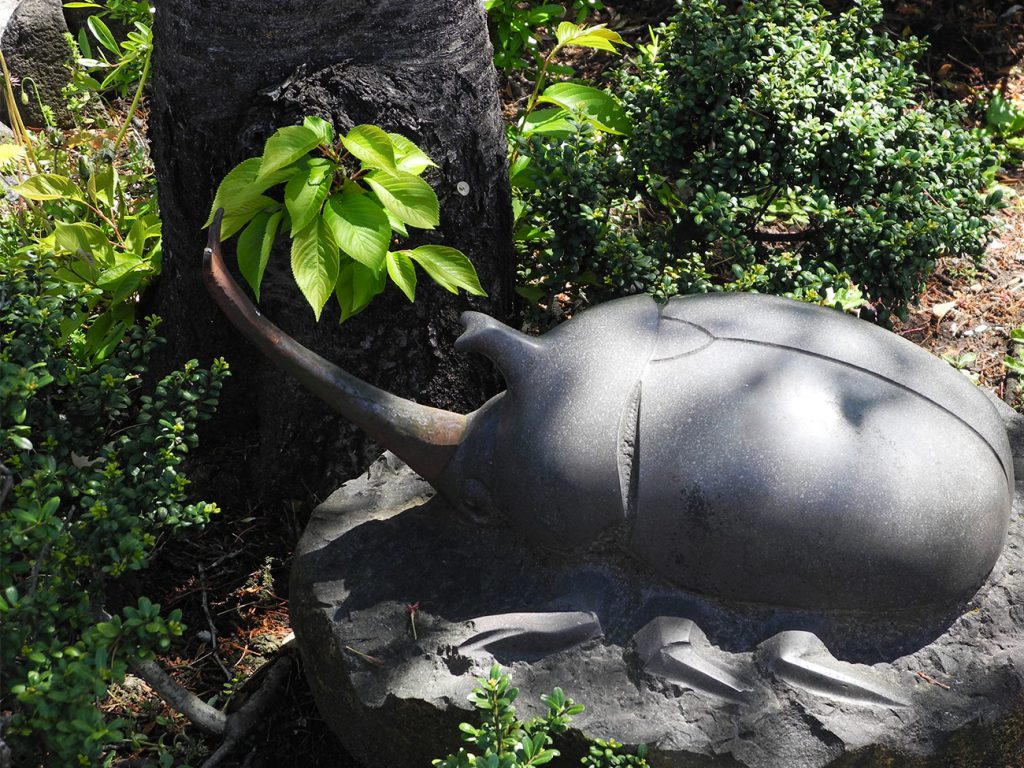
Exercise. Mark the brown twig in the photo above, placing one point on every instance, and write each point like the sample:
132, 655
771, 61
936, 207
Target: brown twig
234, 726
365, 656
932, 680
206, 718
209, 621
6, 482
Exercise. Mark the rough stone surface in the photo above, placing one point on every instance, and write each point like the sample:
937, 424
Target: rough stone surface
35, 47
703, 683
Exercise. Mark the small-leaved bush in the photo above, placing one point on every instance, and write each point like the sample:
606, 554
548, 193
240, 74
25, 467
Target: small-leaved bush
775, 147
502, 740
788, 145
90, 485
344, 199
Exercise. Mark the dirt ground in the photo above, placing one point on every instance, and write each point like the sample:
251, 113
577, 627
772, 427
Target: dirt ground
232, 580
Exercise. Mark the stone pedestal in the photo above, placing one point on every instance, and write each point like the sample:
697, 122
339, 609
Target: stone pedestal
700, 682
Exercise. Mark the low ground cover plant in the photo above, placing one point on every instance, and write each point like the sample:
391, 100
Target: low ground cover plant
502, 740
91, 483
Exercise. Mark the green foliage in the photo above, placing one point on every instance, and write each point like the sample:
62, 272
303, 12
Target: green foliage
120, 65
1004, 126
105, 231
341, 208
577, 107
90, 482
565, 206
788, 147
963, 361
774, 148
1015, 362
88, 198
517, 28
578, 226
503, 741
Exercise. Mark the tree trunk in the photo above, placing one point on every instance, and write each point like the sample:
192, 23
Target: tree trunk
225, 76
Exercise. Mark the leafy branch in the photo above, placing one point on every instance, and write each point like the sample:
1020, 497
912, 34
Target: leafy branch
345, 200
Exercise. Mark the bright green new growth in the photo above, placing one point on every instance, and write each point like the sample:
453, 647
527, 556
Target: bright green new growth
503, 741
517, 27
342, 207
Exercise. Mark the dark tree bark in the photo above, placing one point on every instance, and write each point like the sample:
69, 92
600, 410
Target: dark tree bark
225, 76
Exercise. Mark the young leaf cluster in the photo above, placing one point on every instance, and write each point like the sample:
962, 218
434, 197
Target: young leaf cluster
109, 65
1004, 126
344, 200
564, 201
90, 481
574, 106
517, 28
503, 741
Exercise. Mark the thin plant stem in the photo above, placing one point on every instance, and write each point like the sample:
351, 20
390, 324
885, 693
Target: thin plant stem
17, 125
531, 104
135, 101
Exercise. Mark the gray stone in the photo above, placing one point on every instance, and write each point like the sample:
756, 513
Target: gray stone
36, 48
720, 432
702, 682
774, 520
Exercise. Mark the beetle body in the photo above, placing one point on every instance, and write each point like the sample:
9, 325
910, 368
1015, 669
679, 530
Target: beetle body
752, 448
745, 447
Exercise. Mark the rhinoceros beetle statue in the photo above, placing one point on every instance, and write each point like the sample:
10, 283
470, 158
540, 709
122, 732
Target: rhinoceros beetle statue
745, 447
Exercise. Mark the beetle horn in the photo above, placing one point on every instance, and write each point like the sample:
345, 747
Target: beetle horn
513, 352
424, 438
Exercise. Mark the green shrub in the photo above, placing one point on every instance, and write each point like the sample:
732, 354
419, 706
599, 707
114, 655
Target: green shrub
775, 148
502, 740
583, 229
90, 483
788, 146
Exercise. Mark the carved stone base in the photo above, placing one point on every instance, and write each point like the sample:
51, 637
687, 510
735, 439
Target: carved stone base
703, 684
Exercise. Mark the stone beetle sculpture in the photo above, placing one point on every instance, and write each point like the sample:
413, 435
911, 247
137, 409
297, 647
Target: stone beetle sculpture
745, 447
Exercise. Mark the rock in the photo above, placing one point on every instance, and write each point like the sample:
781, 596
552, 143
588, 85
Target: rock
6, 9
36, 48
701, 682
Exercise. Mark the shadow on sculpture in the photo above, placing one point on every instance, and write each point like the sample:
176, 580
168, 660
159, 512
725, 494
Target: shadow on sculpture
731, 500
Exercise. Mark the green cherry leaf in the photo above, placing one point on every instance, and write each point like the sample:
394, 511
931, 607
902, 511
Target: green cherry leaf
315, 264
597, 106
306, 190
254, 246
406, 197
285, 147
403, 272
448, 267
357, 286
409, 157
360, 227
372, 146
